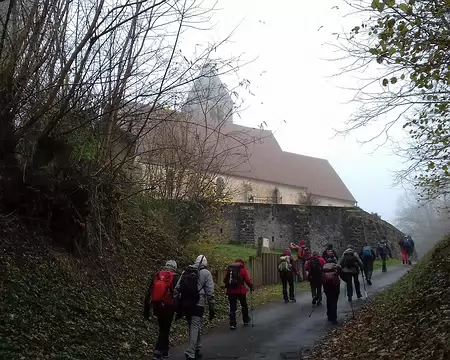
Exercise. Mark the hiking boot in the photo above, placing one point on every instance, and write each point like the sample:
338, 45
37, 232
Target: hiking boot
319, 302
350, 298
232, 327
403, 262
198, 355
293, 300
314, 301
409, 262
369, 282
334, 322
188, 357
286, 301
359, 296
157, 355
165, 357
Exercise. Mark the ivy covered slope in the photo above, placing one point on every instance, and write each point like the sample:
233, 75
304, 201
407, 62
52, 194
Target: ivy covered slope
410, 321
54, 306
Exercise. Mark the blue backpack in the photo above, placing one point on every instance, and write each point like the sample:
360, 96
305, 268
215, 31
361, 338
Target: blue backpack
367, 252
409, 244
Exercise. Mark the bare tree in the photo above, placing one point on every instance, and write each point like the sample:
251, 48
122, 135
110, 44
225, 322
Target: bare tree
74, 73
308, 199
405, 44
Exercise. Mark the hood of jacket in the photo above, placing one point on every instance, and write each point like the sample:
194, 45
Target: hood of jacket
240, 263
201, 262
349, 251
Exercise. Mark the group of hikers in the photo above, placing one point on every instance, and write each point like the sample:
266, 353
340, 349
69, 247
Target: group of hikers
171, 296
174, 296
326, 271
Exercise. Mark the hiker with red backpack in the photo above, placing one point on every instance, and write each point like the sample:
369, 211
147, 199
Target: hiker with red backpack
287, 271
159, 299
314, 270
194, 291
235, 280
368, 257
331, 273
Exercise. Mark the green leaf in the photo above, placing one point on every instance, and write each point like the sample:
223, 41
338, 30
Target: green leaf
393, 80
385, 82
375, 4
404, 7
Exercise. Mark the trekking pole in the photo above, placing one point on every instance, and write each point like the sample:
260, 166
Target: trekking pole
252, 308
353, 310
364, 283
314, 306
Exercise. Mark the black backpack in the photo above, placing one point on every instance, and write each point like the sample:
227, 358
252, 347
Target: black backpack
189, 293
350, 261
316, 269
233, 279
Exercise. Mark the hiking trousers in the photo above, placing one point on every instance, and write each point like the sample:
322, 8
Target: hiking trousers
349, 279
233, 299
405, 256
195, 323
368, 269
287, 277
164, 323
383, 262
316, 290
332, 294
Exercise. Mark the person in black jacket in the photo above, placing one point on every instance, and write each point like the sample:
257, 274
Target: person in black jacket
383, 251
329, 253
159, 300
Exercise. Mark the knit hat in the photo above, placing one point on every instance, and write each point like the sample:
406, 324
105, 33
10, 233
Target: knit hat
350, 246
172, 264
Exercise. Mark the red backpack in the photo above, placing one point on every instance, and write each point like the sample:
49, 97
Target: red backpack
163, 287
330, 275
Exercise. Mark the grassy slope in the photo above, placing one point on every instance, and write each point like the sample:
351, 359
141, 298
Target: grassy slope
410, 321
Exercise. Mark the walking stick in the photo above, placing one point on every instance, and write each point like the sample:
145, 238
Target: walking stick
314, 306
353, 311
364, 283
252, 308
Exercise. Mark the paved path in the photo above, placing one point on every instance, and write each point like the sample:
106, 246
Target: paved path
283, 331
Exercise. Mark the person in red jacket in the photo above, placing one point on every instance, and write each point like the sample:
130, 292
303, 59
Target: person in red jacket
235, 280
314, 270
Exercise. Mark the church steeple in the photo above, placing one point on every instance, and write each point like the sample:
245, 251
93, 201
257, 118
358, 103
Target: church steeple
209, 97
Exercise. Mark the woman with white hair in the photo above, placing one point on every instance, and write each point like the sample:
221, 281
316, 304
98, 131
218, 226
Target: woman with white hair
160, 299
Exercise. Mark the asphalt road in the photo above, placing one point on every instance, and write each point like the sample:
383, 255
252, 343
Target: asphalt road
284, 331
